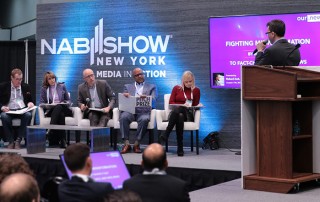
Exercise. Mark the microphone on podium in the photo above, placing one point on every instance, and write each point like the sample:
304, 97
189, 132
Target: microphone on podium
256, 50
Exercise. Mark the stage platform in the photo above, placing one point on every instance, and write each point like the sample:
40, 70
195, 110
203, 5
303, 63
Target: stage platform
231, 191
209, 168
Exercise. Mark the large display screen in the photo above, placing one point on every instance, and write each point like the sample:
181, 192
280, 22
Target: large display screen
234, 38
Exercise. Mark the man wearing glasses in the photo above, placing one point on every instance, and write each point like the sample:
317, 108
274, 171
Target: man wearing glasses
95, 94
281, 53
15, 95
142, 89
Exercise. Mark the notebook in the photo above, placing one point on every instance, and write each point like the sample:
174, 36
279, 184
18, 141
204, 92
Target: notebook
108, 166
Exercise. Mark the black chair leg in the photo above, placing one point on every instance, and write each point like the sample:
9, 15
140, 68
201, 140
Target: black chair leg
111, 137
197, 141
115, 137
151, 136
68, 137
78, 134
191, 140
167, 145
88, 138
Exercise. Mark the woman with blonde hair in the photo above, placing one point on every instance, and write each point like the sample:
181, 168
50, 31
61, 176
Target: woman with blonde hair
187, 95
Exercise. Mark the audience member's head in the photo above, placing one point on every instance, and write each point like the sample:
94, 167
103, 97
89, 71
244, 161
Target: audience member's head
19, 187
13, 163
154, 156
77, 158
123, 195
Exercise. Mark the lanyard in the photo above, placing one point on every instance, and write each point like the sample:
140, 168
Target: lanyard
140, 90
54, 93
185, 96
93, 96
15, 93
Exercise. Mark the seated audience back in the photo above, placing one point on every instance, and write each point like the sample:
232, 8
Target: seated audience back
81, 187
154, 184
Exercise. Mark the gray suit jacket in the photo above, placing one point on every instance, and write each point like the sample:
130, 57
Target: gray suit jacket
105, 94
148, 89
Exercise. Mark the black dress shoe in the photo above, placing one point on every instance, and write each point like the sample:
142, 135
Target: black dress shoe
162, 140
180, 153
63, 144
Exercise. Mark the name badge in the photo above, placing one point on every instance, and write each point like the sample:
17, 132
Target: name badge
189, 103
20, 103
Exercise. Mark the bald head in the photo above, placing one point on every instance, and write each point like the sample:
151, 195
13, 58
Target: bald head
154, 156
138, 75
19, 187
88, 76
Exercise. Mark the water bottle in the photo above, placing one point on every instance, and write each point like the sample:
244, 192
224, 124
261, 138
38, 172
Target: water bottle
296, 128
1, 143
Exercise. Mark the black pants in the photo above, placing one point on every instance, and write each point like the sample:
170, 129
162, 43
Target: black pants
177, 117
58, 114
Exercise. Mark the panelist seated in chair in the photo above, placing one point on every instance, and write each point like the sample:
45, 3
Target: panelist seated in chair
138, 88
15, 95
188, 95
95, 94
53, 92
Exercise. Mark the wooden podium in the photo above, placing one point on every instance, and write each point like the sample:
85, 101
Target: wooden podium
273, 159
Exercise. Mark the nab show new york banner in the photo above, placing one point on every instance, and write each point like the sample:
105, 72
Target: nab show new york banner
113, 37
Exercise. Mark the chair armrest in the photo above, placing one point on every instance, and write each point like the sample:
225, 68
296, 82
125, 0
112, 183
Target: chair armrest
77, 114
33, 116
160, 116
116, 114
197, 117
152, 121
41, 115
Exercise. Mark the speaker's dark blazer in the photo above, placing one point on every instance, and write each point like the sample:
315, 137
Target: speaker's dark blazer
76, 190
158, 188
5, 93
279, 54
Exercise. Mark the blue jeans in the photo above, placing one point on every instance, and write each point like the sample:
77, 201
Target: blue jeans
7, 124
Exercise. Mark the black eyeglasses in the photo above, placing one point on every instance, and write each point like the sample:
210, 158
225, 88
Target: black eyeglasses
89, 76
140, 74
267, 33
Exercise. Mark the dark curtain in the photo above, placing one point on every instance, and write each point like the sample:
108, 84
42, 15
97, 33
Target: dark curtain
12, 55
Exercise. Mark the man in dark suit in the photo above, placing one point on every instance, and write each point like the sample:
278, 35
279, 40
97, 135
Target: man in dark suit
15, 95
142, 89
281, 53
95, 94
81, 187
154, 184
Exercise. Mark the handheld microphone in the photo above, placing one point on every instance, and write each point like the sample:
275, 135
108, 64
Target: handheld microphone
87, 101
295, 48
256, 50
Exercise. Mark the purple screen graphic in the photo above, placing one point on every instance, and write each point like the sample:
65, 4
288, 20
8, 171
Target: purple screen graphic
233, 39
107, 167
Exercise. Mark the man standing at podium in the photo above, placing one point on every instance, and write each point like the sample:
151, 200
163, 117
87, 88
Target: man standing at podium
281, 52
